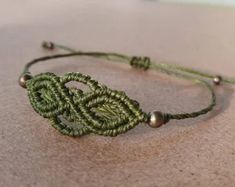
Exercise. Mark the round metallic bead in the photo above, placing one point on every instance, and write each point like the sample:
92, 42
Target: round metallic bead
24, 78
217, 80
48, 45
156, 119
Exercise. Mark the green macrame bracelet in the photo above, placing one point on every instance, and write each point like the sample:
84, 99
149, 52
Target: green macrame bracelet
101, 110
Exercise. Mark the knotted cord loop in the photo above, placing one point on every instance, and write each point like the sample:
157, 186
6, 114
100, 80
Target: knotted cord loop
140, 62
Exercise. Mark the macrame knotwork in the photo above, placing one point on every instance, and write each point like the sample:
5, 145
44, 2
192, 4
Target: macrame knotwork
101, 110
140, 62
75, 112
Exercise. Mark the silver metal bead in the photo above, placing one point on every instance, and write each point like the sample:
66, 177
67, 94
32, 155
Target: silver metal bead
156, 119
217, 80
24, 78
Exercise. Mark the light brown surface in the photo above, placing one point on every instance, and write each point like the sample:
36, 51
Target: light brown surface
198, 152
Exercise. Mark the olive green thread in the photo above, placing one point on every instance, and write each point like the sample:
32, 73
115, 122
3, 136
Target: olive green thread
100, 110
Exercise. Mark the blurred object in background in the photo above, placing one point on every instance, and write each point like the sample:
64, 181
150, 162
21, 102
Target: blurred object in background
211, 2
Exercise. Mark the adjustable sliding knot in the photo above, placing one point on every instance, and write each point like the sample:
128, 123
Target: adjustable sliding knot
140, 62
73, 112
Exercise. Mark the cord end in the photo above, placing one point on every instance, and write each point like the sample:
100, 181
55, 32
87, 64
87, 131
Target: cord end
217, 80
48, 45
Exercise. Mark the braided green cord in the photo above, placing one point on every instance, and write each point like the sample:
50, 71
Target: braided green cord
100, 110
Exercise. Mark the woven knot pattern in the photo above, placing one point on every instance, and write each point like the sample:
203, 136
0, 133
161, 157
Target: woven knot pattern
75, 112
140, 62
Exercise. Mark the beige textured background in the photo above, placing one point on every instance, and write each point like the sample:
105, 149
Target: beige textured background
198, 152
